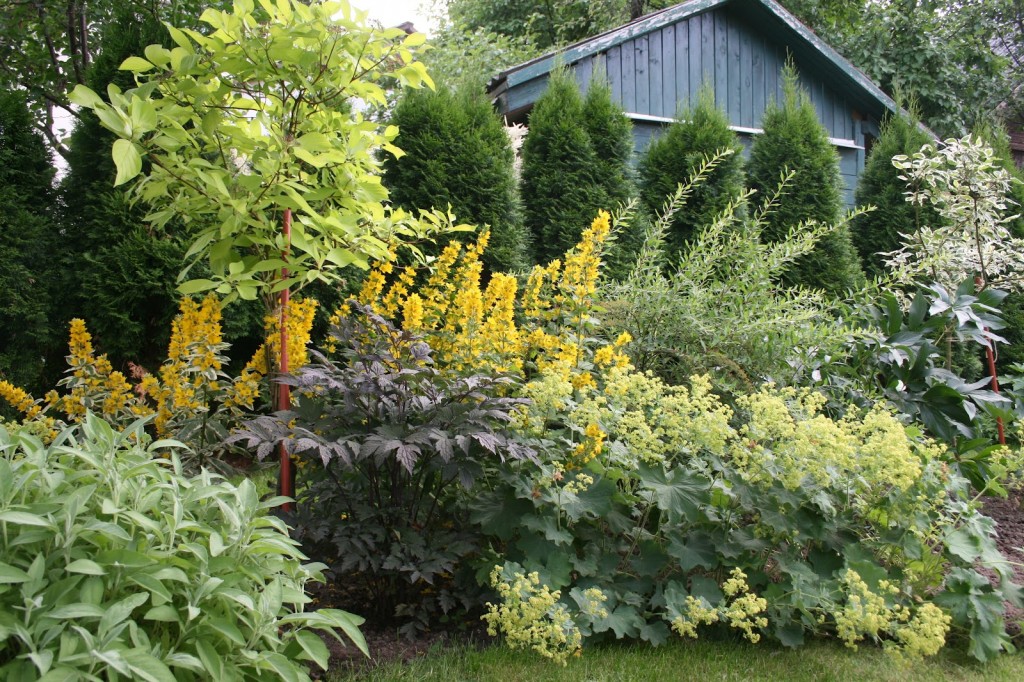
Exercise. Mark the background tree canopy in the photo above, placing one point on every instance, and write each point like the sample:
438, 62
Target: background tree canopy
48, 46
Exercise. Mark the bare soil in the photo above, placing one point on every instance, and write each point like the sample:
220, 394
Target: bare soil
1009, 517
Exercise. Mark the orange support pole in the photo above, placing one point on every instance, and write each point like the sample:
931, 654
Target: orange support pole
286, 476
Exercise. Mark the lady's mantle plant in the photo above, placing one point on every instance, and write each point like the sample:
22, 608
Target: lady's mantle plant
661, 497
116, 566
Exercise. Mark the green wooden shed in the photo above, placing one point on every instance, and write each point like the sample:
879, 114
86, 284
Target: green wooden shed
657, 63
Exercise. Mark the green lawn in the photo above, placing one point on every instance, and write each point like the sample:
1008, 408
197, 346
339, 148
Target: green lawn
704, 661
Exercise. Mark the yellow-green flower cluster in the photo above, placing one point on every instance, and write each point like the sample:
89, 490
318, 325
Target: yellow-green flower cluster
868, 614
656, 421
695, 612
744, 609
788, 439
925, 634
593, 604
740, 608
530, 616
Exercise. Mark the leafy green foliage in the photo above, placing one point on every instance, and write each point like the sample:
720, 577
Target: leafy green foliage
715, 309
467, 58
114, 565
26, 248
958, 60
233, 154
880, 185
540, 25
794, 140
700, 132
457, 157
390, 449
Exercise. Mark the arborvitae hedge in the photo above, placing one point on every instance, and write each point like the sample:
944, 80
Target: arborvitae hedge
114, 272
699, 132
611, 136
794, 139
561, 186
880, 186
27, 245
457, 153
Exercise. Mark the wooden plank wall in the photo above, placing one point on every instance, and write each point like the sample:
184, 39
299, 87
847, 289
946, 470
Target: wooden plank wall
657, 74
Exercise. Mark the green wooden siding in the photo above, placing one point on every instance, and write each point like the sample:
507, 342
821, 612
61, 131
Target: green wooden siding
657, 65
657, 73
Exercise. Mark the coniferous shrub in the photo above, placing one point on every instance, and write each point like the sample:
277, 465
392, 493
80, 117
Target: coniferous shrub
26, 228
611, 135
700, 132
794, 139
879, 185
561, 185
457, 154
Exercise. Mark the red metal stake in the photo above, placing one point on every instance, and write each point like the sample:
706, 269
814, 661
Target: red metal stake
286, 476
979, 282
995, 387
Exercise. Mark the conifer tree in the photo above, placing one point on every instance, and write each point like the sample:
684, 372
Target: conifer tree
27, 234
699, 132
116, 273
879, 185
611, 136
561, 188
793, 138
457, 154
119, 278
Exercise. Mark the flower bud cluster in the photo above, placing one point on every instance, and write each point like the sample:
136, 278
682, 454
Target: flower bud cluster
531, 617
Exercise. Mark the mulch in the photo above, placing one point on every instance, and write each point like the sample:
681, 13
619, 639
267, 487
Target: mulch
1009, 517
